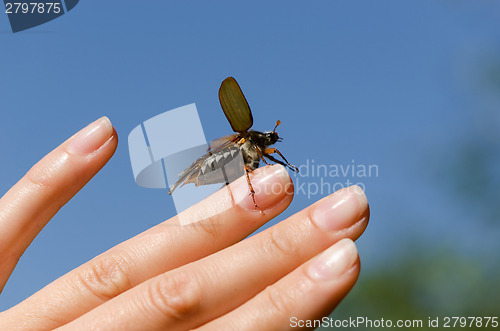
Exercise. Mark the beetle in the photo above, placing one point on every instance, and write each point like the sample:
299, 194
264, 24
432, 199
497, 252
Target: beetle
253, 145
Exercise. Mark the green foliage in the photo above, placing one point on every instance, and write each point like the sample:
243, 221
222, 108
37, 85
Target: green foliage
432, 284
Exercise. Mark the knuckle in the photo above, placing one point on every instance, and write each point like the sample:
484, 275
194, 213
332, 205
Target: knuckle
39, 178
209, 226
106, 276
284, 300
279, 301
174, 297
280, 243
43, 174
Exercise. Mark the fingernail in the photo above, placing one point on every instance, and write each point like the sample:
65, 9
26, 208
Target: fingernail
271, 184
341, 210
90, 138
335, 261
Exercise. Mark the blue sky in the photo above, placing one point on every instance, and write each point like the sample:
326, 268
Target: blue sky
391, 84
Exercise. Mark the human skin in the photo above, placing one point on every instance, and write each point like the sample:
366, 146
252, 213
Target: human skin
202, 275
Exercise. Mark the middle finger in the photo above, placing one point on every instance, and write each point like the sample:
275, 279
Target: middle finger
159, 249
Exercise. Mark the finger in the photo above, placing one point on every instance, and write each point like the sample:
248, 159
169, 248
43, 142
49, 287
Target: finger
36, 198
300, 299
225, 218
201, 291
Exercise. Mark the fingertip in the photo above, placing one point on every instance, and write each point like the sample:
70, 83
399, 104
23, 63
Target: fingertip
335, 261
91, 138
273, 193
271, 184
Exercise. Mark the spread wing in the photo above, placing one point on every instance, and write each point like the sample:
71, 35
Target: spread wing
235, 106
192, 173
239, 115
187, 173
222, 141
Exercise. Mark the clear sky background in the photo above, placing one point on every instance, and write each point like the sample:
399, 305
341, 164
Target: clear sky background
408, 87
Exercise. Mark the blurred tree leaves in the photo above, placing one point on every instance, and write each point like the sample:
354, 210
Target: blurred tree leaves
473, 175
422, 285
430, 279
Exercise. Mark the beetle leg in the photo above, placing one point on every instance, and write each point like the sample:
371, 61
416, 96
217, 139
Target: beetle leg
276, 160
269, 151
261, 155
252, 191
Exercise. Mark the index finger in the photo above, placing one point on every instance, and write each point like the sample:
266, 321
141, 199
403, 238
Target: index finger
27, 207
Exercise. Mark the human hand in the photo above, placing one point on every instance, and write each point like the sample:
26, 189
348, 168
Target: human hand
201, 275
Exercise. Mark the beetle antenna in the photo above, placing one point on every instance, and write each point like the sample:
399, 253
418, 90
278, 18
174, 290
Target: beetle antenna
278, 122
